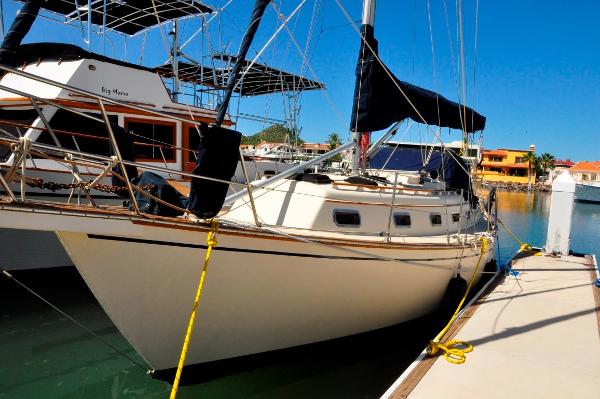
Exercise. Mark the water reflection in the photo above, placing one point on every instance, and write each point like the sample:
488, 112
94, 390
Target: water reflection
527, 216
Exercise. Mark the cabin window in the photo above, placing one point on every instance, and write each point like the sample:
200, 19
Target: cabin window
455, 217
154, 140
76, 132
436, 219
346, 218
402, 219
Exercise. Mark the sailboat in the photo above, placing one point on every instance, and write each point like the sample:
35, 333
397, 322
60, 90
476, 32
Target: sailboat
301, 257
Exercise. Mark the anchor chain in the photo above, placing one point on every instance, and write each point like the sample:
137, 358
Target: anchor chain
52, 186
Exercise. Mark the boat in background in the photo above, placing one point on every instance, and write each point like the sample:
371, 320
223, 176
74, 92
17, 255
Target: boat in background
169, 145
587, 177
587, 192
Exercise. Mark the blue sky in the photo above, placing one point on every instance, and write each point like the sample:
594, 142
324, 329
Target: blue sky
536, 77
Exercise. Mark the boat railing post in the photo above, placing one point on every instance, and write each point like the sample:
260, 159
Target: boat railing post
460, 212
74, 169
113, 141
389, 226
7, 188
561, 214
249, 188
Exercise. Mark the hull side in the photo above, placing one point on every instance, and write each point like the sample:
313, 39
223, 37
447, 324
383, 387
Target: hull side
253, 301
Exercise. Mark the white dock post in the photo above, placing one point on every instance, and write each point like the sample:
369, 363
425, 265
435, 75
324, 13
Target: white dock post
561, 212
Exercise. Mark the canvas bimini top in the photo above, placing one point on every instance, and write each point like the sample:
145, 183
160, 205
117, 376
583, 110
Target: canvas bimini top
258, 78
129, 17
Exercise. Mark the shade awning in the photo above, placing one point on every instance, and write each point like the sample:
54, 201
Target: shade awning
127, 16
258, 79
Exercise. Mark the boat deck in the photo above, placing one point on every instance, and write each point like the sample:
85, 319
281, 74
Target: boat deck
536, 335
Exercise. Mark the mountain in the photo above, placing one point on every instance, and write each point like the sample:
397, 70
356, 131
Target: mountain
272, 134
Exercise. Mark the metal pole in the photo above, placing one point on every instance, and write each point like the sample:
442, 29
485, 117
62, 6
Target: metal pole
104, 28
392, 206
45, 122
249, 188
89, 25
175, 62
7, 188
2, 18
118, 154
368, 18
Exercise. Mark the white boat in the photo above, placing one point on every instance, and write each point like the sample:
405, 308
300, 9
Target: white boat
587, 192
301, 258
167, 143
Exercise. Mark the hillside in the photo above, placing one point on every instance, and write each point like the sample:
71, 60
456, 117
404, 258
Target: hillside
272, 134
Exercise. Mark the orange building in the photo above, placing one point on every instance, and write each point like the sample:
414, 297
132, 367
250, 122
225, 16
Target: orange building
505, 165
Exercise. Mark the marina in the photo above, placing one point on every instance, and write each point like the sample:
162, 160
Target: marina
172, 223
358, 367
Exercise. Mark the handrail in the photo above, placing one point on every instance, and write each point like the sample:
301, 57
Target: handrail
93, 95
88, 157
335, 183
89, 136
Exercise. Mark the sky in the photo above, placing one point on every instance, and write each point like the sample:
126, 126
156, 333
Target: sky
531, 67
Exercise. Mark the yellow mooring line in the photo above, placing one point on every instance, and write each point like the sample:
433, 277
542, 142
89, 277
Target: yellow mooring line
211, 241
452, 350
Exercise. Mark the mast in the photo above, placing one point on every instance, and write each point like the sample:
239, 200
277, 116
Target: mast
368, 20
257, 13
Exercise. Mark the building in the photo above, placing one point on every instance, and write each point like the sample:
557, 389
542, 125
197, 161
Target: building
560, 165
313, 149
269, 150
586, 172
505, 165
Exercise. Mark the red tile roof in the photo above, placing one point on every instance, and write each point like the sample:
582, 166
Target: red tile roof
586, 166
495, 152
561, 162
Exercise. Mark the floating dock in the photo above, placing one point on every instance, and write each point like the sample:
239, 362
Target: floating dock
536, 334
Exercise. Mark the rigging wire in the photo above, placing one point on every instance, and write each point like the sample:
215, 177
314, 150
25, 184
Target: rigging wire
312, 71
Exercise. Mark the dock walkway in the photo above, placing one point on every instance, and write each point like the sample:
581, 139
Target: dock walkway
536, 335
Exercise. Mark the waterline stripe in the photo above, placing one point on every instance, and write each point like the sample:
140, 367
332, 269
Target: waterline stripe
261, 251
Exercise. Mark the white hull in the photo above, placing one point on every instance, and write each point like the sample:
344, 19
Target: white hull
587, 192
262, 292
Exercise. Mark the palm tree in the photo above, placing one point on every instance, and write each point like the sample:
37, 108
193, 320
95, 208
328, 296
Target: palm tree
531, 160
334, 142
547, 162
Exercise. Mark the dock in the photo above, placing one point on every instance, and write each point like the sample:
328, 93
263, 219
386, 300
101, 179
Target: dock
535, 333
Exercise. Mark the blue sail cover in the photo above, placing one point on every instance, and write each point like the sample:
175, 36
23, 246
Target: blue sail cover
378, 101
451, 169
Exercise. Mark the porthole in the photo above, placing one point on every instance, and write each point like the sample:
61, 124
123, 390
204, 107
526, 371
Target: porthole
346, 218
436, 219
402, 219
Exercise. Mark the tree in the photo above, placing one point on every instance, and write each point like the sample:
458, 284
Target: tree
272, 134
547, 162
334, 142
532, 161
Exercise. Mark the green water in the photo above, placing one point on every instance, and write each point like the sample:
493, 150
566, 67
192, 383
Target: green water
44, 355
